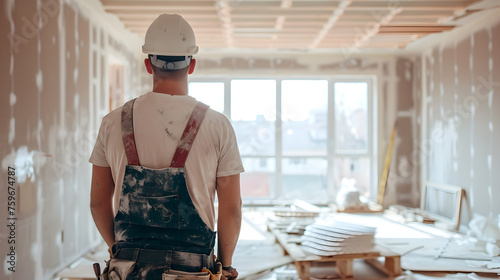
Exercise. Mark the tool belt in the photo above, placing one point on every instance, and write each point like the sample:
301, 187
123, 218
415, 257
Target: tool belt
175, 260
181, 265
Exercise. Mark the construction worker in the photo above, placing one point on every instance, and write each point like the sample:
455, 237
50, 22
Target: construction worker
158, 162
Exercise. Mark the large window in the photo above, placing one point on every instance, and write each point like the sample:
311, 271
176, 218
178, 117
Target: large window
298, 138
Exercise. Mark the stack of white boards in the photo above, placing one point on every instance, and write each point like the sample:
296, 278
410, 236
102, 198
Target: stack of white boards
338, 238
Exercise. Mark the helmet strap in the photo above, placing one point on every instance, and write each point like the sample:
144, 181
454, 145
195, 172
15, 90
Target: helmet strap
170, 65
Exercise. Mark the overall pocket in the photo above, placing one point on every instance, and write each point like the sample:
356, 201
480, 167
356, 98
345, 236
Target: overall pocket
161, 211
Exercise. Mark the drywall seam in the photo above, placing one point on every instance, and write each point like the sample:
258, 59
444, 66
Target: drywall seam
380, 125
441, 114
490, 104
39, 78
423, 125
12, 122
430, 101
455, 101
62, 71
61, 131
36, 250
77, 133
415, 132
472, 114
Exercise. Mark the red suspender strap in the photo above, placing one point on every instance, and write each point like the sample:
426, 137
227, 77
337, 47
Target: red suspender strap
189, 134
128, 133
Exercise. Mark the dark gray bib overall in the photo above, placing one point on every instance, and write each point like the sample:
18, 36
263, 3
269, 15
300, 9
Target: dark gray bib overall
156, 210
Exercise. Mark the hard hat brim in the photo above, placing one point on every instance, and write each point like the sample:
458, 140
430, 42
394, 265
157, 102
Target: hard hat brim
194, 51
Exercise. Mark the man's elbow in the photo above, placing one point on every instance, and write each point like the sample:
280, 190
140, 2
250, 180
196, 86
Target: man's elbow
237, 204
96, 206
237, 209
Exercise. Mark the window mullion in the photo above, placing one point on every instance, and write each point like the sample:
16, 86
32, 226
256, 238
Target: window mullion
279, 176
227, 98
331, 142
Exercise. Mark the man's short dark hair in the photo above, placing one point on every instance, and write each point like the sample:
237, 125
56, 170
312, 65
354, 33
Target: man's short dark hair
163, 72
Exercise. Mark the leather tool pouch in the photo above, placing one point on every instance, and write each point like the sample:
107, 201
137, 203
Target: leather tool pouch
205, 274
180, 275
117, 269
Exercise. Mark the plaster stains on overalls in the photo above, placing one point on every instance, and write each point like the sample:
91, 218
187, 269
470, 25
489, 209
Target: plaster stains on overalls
156, 210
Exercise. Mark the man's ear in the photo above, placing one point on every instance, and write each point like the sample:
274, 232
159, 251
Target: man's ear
192, 66
147, 63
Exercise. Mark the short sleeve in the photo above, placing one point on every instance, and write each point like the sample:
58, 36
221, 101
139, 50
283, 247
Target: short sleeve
98, 156
229, 159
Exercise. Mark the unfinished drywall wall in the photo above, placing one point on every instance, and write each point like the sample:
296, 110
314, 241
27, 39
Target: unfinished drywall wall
53, 95
462, 88
396, 98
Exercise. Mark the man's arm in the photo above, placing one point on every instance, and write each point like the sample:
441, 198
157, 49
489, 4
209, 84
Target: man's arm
229, 221
101, 202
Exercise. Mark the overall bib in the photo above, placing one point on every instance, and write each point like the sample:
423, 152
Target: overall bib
157, 225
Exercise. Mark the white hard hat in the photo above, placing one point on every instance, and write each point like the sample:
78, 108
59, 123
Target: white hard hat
170, 35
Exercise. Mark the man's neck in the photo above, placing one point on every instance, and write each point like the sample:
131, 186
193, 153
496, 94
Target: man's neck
172, 87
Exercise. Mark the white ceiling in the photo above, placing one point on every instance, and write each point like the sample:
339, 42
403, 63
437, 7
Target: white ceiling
305, 25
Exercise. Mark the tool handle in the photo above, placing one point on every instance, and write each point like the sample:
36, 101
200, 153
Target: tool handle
97, 270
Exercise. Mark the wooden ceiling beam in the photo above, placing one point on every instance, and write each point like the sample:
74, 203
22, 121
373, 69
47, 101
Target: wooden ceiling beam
409, 29
267, 10
195, 26
404, 12
150, 17
137, 5
305, 19
156, 13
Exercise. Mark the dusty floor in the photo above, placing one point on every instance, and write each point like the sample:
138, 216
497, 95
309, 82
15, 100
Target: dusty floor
258, 256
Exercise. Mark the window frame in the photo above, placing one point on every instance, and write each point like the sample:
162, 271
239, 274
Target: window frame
274, 193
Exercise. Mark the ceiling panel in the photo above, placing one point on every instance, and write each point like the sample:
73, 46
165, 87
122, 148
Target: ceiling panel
298, 24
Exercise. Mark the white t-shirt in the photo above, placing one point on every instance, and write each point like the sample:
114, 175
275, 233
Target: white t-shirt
159, 121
